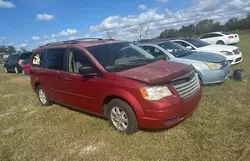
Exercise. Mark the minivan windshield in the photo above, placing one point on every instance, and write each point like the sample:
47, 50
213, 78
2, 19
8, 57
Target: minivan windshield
197, 43
175, 49
120, 56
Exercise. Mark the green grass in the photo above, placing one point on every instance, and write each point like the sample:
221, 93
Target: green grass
219, 130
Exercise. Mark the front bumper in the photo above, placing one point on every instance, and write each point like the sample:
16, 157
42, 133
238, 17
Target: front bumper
215, 76
171, 113
235, 59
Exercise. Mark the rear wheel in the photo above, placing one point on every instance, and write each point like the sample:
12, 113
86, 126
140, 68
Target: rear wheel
43, 96
220, 42
16, 70
6, 70
122, 117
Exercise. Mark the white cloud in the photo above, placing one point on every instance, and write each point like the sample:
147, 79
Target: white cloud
6, 4
46, 37
44, 17
219, 10
23, 45
3, 38
142, 7
65, 33
162, 1
36, 38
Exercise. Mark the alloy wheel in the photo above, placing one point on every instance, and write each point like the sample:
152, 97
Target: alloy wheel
119, 118
42, 96
16, 70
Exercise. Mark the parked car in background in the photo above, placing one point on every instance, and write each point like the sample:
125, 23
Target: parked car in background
117, 80
220, 38
17, 63
211, 68
232, 53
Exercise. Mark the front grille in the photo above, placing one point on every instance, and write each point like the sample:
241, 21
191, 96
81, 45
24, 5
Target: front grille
236, 51
187, 88
238, 59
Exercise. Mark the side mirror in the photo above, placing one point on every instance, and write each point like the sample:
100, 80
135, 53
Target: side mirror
163, 57
189, 47
87, 71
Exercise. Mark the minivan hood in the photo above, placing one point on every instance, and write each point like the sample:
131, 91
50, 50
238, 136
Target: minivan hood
206, 57
158, 72
218, 48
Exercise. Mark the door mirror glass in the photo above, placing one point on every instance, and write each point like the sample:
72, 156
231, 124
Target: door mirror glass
87, 71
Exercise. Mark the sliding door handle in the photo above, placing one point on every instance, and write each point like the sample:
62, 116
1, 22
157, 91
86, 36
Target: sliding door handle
68, 78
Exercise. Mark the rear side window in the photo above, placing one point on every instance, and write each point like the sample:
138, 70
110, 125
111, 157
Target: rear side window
206, 36
38, 59
55, 59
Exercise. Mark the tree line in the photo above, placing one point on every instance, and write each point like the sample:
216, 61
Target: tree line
208, 25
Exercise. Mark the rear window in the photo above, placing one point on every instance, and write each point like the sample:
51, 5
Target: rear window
25, 55
13, 58
37, 60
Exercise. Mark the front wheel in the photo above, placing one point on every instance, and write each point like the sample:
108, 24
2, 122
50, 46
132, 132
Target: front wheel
122, 117
23, 72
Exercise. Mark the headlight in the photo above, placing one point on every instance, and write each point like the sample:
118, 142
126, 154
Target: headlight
227, 53
212, 66
155, 93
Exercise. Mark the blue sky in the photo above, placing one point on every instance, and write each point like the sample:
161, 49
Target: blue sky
30, 23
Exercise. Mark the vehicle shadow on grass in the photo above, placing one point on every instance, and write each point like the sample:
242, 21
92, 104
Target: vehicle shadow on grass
80, 110
105, 119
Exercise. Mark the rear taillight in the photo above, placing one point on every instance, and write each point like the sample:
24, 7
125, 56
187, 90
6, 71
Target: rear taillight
230, 37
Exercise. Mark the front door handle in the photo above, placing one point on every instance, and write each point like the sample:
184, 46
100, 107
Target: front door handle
68, 79
59, 77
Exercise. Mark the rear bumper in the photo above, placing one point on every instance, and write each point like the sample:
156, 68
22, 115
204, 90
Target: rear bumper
215, 76
174, 113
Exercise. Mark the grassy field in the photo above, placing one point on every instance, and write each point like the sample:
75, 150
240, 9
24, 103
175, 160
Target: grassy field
219, 130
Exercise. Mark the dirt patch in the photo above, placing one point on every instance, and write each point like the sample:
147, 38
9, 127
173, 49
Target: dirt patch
20, 80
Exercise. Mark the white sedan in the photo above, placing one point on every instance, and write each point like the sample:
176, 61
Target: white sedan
220, 38
232, 53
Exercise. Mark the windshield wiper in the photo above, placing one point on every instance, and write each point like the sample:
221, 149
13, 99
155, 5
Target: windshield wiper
143, 60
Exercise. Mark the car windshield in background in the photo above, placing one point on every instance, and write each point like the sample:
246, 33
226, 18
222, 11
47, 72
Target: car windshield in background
225, 33
175, 49
197, 43
25, 55
120, 56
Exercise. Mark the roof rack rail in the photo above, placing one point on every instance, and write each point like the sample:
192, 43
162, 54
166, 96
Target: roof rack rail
75, 41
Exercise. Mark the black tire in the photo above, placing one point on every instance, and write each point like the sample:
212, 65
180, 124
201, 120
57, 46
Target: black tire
220, 42
46, 101
132, 125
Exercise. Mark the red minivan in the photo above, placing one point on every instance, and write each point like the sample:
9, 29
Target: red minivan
117, 80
